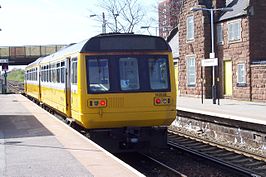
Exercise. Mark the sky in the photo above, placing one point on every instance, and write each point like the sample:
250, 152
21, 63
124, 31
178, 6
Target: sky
48, 22
45, 22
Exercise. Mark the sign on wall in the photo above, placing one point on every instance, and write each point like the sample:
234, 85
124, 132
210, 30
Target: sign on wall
3, 61
209, 62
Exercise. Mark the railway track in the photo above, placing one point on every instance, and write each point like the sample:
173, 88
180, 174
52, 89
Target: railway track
170, 169
148, 165
247, 165
15, 87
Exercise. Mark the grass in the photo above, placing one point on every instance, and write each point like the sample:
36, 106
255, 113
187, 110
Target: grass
16, 75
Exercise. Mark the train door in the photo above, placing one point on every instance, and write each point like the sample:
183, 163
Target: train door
74, 87
67, 87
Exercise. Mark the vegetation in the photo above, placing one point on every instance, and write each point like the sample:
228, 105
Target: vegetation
121, 15
16, 75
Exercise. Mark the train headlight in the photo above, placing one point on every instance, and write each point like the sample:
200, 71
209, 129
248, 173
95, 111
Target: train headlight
103, 103
157, 100
97, 103
161, 101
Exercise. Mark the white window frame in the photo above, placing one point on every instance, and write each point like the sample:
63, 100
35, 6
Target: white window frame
190, 27
241, 73
220, 34
189, 69
234, 31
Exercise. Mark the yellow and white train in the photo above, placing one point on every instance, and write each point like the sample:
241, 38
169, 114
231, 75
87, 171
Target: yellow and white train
119, 87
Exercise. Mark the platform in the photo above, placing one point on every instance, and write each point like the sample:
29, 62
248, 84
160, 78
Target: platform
35, 143
251, 112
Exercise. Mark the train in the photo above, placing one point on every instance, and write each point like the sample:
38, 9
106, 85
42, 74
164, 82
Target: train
119, 87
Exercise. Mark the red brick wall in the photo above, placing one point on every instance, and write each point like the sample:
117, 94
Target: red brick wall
237, 52
257, 29
170, 8
199, 47
258, 82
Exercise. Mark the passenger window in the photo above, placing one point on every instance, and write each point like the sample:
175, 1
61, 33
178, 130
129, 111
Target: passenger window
98, 75
158, 72
58, 73
74, 72
129, 74
63, 72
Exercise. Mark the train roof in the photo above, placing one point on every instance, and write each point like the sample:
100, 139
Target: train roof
112, 42
35, 63
125, 42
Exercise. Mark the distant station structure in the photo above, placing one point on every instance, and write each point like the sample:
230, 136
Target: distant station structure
23, 55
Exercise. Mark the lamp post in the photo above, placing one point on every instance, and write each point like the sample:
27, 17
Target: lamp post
104, 22
147, 27
212, 54
115, 17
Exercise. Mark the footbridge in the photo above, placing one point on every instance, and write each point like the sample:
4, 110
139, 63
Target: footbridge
23, 55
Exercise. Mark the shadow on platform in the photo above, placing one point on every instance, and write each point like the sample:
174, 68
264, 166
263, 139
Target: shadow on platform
19, 126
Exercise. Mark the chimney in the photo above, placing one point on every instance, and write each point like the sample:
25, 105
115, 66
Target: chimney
219, 3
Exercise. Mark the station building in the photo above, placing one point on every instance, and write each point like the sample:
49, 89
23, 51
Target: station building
240, 41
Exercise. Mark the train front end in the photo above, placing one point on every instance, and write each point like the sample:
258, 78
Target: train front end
129, 96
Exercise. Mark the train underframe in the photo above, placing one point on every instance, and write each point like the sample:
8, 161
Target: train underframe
129, 139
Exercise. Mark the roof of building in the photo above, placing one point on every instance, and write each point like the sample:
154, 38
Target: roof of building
240, 8
173, 41
173, 32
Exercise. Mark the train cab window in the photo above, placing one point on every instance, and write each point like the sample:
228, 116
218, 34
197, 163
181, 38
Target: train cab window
158, 73
98, 75
74, 72
129, 73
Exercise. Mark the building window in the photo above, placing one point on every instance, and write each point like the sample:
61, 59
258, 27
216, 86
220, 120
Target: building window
190, 28
234, 31
241, 75
191, 71
220, 34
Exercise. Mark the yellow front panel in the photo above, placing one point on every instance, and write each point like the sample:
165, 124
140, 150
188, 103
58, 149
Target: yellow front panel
228, 78
126, 110
122, 109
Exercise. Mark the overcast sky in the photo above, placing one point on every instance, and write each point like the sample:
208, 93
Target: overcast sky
42, 22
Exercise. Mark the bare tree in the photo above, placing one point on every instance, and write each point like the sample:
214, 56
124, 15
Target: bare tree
120, 15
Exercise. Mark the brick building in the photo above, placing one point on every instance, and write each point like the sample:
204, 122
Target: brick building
168, 16
239, 46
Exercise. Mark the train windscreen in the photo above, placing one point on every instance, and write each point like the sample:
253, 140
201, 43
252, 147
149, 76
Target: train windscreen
114, 74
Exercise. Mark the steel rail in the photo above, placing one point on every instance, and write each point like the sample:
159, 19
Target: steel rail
164, 165
174, 143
